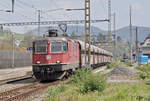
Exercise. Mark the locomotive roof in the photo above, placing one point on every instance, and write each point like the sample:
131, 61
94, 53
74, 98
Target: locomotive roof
52, 38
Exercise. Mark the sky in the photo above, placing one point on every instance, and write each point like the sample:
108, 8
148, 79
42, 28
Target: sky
26, 10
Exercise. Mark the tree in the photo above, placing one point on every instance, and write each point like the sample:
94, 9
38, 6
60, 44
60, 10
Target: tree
101, 37
119, 39
73, 34
28, 38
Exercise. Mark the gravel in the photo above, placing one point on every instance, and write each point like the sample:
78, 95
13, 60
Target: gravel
37, 97
123, 70
16, 84
123, 74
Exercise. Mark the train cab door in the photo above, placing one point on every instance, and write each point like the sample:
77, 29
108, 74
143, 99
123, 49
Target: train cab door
80, 56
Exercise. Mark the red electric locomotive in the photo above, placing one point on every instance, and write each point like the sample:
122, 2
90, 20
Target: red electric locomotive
55, 57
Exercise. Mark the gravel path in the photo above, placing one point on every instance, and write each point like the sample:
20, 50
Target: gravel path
123, 74
37, 97
15, 85
14, 72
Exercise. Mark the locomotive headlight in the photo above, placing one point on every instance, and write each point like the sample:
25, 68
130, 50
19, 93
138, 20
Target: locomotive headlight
38, 62
48, 57
57, 61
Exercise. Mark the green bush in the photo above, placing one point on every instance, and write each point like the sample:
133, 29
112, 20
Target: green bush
54, 92
88, 82
116, 64
143, 75
112, 65
80, 76
93, 83
144, 68
145, 71
128, 64
148, 82
81, 83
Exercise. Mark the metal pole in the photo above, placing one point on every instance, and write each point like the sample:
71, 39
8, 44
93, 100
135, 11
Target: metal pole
109, 23
115, 36
137, 48
39, 20
13, 2
13, 50
131, 33
87, 30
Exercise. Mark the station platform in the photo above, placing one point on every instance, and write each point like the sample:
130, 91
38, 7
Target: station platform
15, 72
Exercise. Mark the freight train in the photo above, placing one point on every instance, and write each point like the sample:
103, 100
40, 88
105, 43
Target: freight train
55, 57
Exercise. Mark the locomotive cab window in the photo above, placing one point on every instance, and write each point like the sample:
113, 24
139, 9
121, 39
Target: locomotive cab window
57, 47
40, 47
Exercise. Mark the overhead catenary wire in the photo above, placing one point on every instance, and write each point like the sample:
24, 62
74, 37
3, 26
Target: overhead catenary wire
26, 4
104, 7
64, 15
21, 4
5, 7
20, 13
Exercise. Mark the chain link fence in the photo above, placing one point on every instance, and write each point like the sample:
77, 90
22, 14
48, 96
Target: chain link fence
20, 59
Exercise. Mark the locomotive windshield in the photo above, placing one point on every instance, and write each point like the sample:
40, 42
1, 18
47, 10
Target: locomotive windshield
41, 47
57, 47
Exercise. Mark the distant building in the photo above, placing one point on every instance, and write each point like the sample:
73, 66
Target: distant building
145, 47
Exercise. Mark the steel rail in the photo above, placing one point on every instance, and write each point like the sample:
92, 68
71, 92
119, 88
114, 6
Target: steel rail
17, 89
31, 92
25, 91
7, 81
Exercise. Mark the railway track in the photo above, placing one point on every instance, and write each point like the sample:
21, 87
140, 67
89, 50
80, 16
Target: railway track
11, 80
18, 94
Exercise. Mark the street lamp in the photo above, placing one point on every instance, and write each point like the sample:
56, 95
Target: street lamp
6, 10
74, 9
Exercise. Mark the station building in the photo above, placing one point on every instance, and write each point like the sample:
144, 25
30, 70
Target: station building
145, 47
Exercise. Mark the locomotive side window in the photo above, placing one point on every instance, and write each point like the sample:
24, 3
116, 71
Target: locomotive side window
73, 48
76, 46
41, 47
64, 46
70, 46
57, 47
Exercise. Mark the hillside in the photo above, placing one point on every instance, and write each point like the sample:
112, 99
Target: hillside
77, 30
124, 32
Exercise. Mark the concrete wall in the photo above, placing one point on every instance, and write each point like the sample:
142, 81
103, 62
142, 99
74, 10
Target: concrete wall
21, 59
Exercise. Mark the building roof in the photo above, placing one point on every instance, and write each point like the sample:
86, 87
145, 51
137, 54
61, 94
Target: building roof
148, 37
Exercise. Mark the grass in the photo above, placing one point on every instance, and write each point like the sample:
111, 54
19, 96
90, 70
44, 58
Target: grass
116, 64
8, 35
144, 71
126, 92
84, 86
81, 83
114, 92
6, 42
4, 36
